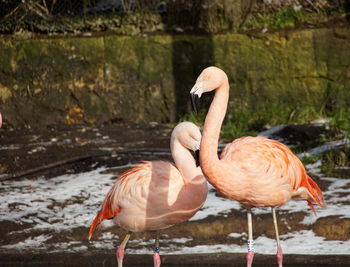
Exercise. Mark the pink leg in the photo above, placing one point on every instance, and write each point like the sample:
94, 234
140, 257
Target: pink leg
120, 255
279, 256
156, 257
250, 257
121, 249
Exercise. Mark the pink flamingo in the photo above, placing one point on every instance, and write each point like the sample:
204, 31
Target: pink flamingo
155, 195
0, 120
256, 171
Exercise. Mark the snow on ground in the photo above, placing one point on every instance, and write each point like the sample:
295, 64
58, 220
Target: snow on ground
50, 204
300, 242
330, 146
273, 130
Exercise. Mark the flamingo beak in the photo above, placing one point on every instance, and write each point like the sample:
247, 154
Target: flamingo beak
195, 102
196, 93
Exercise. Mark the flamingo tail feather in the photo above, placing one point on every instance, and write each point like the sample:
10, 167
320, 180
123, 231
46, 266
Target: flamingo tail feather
105, 213
315, 193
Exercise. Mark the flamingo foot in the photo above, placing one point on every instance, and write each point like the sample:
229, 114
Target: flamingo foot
120, 256
250, 256
156, 259
279, 256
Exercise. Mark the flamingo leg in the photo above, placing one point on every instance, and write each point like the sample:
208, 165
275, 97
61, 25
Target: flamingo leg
279, 248
156, 257
121, 249
250, 254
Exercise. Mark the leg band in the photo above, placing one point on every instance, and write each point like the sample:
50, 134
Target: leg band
250, 245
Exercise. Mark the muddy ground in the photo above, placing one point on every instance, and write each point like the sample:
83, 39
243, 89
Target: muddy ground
54, 150
31, 156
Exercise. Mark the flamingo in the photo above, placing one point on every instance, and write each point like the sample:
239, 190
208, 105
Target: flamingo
155, 195
256, 171
0, 120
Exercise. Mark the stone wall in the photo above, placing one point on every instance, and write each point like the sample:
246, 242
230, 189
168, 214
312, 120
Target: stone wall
147, 78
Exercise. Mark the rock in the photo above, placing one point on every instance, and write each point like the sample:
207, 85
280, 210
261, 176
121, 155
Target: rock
333, 228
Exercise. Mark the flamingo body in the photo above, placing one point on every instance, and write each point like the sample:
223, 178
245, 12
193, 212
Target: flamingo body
151, 196
261, 172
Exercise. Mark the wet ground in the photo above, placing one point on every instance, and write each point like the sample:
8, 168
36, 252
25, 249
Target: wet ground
53, 180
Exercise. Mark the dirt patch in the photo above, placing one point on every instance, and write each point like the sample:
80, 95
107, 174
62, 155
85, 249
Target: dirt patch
41, 226
54, 150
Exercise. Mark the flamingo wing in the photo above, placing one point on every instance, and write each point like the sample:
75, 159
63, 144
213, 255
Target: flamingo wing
122, 188
148, 184
271, 167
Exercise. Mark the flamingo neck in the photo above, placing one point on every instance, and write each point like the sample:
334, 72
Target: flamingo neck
208, 154
185, 162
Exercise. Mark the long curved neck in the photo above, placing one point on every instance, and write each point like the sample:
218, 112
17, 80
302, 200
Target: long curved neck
185, 162
208, 155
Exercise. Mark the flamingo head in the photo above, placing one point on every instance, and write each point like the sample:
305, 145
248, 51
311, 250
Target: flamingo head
209, 79
189, 136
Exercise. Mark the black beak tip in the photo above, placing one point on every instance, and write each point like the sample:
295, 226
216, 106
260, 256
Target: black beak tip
195, 102
196, 156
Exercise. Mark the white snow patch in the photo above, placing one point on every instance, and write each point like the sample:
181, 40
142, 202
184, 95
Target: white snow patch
273, 130
237, 235
215, 205
333, 145
41, 201
49, 204
301, 242
30, 243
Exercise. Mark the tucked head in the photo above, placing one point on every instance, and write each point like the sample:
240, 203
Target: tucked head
188, 135
209, 80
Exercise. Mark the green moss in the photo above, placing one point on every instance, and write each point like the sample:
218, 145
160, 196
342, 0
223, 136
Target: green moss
341, 122
274, 78
127, 24
336, 163
289, 17
310, 159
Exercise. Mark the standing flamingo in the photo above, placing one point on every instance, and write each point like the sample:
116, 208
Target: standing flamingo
155, 195
256, 171
0, 120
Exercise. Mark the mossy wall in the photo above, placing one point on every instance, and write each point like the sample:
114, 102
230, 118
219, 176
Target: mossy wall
147, 78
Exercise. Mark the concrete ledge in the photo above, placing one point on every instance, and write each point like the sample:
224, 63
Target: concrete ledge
221, 259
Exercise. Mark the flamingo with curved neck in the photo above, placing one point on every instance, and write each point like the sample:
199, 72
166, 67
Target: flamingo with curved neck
156, 195
256, 171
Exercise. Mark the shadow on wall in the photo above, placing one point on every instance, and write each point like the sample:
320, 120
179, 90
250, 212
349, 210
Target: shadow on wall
199, 18
187, 64
347, 9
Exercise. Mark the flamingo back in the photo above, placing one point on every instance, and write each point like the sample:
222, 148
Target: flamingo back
151, 196
110, 206
273, 174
